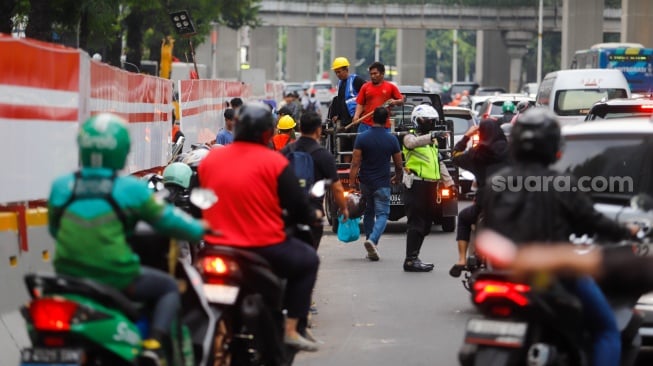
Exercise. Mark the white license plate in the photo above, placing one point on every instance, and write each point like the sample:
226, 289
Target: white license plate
221, 294
496, 332
51, 357
396, 199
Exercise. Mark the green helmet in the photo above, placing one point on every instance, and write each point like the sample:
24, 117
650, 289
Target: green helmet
508, 106
104, 142
178, 174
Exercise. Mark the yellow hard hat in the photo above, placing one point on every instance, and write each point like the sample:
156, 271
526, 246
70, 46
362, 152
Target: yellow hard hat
339, 62
286, 123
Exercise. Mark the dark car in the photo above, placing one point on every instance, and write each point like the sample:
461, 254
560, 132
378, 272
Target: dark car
614, 162
447, 202
620, 108
460, 86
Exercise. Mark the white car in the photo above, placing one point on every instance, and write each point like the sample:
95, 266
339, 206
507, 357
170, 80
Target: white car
324, 91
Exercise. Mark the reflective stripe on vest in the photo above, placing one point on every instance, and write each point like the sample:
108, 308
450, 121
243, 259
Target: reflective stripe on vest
350, 94
423, 161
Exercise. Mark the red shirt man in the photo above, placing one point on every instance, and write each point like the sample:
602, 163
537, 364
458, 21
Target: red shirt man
374, 94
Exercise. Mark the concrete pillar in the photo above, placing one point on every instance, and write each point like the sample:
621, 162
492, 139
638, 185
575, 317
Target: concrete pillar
263, 50
301, 55
636, 21
343, 44
582, 26
492, 60
411, 56
227, 53
516, 41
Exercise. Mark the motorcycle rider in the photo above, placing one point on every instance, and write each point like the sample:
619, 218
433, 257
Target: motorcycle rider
424, 170
483, 159
547, 211
252, 195
508, 109
93, 211
522, 106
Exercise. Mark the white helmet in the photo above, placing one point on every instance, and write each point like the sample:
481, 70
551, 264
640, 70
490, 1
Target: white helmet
423, 111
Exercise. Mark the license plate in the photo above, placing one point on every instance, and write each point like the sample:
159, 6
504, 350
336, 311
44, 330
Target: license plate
221, 294
396, 199
51, 357
496, 332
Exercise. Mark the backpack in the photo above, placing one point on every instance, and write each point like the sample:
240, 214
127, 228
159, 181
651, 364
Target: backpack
312, 106
302, 164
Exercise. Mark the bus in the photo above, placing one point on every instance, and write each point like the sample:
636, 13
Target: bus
633, 59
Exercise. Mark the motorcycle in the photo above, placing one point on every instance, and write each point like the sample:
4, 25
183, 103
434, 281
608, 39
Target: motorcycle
523, 324
73, 321
249, 296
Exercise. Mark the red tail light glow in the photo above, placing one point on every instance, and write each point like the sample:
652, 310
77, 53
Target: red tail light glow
52, 314
485, 290
647, 106
217, 266
445, 193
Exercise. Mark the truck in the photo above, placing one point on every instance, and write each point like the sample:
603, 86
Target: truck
446, 201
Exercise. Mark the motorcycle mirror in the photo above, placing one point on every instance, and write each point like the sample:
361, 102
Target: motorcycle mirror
642, 202
319, 188
203, 198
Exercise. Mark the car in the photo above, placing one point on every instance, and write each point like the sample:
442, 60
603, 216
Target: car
460, 86
493, 106
619, 108
477, 102
323, 90
293, 87
530, 89
490, 90
446, 202
614, 158
463, 119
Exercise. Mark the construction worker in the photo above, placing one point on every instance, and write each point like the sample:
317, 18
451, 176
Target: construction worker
286, 132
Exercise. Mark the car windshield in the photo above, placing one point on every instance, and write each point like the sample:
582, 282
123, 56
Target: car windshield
610, 168
460, 124
620, 111
577, 102
321, 86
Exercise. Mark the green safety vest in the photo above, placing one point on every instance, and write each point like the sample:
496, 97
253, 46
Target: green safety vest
423, 161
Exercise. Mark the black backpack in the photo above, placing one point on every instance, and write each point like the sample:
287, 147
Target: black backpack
303, 165
312, 106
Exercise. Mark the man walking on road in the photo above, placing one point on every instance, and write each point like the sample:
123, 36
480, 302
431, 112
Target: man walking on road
372, 151
376, 93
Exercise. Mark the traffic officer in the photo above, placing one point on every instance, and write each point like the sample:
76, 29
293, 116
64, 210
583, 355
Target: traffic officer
423, 172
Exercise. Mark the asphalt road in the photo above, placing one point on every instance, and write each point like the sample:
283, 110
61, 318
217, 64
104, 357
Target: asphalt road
374, 313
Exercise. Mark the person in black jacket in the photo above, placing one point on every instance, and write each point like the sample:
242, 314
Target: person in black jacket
482, 160
529, 202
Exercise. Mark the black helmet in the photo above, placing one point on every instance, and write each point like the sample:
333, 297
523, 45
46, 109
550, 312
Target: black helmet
536, 136
355, 204
255, 123
522, 106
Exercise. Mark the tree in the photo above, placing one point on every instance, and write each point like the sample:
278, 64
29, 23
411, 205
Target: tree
7, 11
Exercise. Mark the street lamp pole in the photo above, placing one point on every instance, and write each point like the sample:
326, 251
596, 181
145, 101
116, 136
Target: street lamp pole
539, 43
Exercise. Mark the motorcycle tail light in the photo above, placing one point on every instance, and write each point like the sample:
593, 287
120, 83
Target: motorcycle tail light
217, 266
492, 290
52, 314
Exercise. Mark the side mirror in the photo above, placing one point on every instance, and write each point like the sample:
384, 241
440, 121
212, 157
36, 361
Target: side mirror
203, 198
642, 202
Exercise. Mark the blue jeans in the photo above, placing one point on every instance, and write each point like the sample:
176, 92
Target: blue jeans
377, 209
603, 325
362, 127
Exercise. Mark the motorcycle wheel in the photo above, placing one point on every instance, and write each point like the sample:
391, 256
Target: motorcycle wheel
486, 356
330, 211
449, 224
221, 342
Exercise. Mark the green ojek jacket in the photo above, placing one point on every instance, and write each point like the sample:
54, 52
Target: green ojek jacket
91, 237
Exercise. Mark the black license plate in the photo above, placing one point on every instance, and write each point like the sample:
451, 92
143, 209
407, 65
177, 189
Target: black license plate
396, 199
499, 333
51, 357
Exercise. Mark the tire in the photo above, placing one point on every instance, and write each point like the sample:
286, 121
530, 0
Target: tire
449, 224
330, 211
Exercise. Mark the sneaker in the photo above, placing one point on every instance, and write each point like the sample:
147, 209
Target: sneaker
154, 353
372, 253
301, 343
